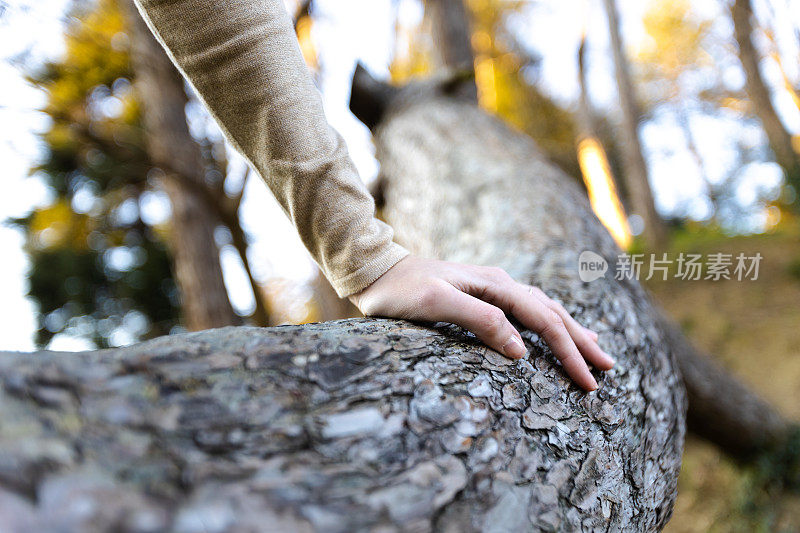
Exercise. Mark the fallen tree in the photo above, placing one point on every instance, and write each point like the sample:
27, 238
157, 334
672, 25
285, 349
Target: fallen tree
459, 185
372, 424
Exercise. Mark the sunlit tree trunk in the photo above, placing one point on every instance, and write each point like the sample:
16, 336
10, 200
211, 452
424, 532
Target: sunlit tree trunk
682, 117
196, 264
780, 140
595, 167
635, 175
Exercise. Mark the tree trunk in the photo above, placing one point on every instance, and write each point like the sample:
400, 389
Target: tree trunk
485, 184
371, 424
450, 28
780, 140
228, 212
451, 32
636, 175
600, 183
587, 121
195, 255
491, 198
721, 409
260, 315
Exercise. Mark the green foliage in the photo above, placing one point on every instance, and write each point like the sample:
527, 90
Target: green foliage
90, 298
97, 270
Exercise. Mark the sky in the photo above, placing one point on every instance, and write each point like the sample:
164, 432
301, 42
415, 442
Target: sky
345, 31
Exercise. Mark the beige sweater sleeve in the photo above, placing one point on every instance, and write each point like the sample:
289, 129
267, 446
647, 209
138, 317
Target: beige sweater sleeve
243, 60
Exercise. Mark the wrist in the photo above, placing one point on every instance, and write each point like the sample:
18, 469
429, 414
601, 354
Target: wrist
359, 298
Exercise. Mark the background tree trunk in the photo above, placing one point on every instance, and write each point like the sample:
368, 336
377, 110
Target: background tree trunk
587, 120
451, 32
780, 140
227, 209
449, 23
635, 176
196, 264
721, 409
261, 312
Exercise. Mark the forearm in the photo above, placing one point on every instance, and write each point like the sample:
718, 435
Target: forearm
244, 62
243, 59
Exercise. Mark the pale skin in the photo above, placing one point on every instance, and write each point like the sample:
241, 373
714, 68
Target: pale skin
478, 298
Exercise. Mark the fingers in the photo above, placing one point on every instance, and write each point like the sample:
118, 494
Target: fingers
586, 343
552, 328
487, 322
584, 338
568, 340
591, 333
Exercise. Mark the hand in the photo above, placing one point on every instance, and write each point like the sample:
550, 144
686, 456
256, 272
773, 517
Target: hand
478, 298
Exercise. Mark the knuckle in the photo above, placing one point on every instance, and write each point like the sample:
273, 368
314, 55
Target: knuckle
492, 320
503, 275
491, 286
565, 357
558, 307
553, 324
497, 274
557, 322
429, 296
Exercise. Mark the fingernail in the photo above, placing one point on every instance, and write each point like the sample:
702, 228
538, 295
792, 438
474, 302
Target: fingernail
514, 348
592, 384
611, 360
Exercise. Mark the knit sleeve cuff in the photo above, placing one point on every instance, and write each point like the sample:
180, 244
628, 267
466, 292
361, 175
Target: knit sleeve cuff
369, 272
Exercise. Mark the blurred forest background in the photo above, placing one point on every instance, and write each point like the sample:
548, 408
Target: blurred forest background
682, 122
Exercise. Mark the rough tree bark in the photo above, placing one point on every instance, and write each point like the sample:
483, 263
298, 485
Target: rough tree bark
370, 424
520, 208
635, 176
362, 424
195, 256
780, 140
